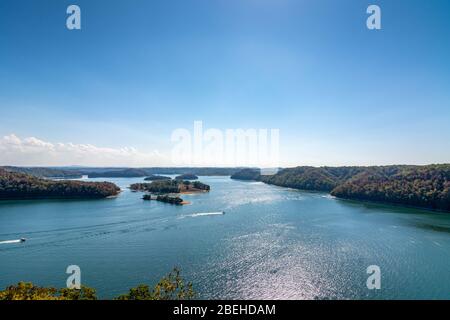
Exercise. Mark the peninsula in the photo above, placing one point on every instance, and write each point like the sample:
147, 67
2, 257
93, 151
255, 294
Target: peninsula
425, 187
20, 186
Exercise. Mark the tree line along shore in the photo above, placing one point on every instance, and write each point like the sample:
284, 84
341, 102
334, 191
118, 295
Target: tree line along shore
415, 186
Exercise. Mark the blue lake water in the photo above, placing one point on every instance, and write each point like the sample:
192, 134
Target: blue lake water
272, 243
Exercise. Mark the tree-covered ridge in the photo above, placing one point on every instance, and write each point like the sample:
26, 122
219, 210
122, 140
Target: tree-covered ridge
23, 186
426, 187
170, 287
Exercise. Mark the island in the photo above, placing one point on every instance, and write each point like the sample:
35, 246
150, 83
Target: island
159, 186
164, 190
171, 186
21, 186
157, 177
165, 198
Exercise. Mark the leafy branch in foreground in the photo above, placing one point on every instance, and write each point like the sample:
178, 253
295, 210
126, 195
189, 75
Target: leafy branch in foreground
171, 287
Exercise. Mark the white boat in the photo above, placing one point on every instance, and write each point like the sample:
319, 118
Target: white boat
202, 214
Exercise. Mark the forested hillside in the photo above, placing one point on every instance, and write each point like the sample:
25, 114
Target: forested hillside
427, 187
419, 186
15, 185
312, 178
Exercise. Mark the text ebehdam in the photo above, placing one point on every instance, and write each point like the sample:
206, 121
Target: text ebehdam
230, 147
226, 309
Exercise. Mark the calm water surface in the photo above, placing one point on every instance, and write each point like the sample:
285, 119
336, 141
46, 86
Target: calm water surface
272, 243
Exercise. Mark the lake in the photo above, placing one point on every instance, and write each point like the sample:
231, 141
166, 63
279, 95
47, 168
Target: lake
272, 243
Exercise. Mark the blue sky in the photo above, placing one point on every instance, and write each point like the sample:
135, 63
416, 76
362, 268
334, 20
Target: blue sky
340, 94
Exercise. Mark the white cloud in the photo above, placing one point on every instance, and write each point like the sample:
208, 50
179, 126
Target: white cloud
35, 152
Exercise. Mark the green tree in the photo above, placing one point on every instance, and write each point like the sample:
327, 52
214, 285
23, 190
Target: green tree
171, 287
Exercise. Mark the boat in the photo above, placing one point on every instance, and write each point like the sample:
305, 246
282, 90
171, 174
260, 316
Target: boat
23, 239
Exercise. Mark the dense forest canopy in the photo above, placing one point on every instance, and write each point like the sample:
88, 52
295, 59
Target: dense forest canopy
23, 186
312, 178
427, 187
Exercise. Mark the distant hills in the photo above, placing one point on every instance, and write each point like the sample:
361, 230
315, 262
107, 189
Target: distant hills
126, 173
78, 172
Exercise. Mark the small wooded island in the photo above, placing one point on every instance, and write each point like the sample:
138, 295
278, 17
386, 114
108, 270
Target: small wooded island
164, 198
415, 186
187, 176
163, 190
20, 186
157, 177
